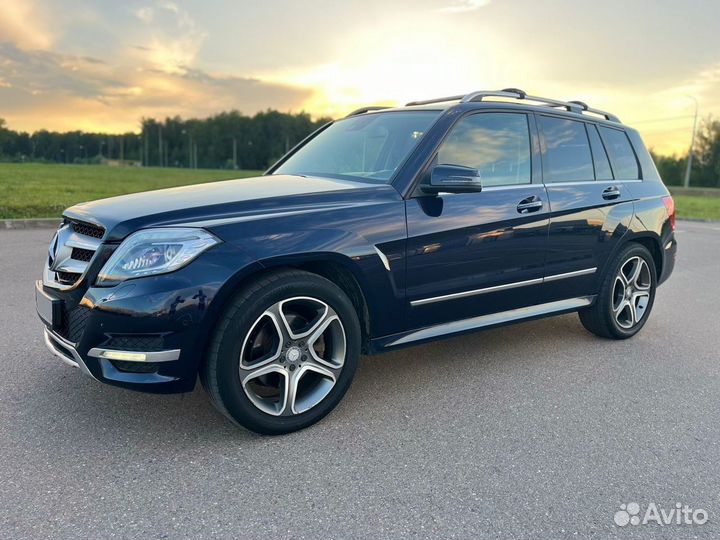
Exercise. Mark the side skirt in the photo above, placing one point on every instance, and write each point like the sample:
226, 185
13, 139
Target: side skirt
452, 328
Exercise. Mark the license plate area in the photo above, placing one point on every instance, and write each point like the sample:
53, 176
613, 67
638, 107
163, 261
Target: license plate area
49, 309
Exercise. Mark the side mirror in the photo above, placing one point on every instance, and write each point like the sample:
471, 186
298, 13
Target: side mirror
453, 179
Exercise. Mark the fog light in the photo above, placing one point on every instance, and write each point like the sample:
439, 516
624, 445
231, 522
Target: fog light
122, 355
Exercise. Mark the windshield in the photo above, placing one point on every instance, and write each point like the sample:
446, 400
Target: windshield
368, 147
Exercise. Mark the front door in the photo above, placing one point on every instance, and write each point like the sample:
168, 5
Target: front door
476, 253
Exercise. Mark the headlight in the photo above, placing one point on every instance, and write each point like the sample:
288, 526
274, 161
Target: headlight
154, 251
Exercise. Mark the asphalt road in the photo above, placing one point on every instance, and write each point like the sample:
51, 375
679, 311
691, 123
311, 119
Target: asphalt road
535, 430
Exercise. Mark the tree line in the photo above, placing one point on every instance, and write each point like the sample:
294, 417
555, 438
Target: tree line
233, 140
226, 140
706, 159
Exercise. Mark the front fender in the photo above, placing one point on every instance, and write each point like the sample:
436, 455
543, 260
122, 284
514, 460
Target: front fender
367, 240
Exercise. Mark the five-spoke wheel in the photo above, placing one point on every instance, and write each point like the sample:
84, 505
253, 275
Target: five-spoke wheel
292, 356
626, 295
631, 292
284, 353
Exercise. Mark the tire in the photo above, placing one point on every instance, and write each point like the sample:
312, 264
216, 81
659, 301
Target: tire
283, 352
625, 300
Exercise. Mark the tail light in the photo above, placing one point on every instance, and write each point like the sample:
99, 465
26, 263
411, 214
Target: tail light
670, 207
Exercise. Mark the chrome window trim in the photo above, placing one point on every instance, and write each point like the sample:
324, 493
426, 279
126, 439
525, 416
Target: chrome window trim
586, 182
510, 186
506, 286
578, 183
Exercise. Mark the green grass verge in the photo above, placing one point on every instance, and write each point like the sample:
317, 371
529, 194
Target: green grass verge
691, 206
33, 190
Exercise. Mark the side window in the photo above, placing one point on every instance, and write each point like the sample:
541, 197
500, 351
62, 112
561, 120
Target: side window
621, 153
496, 144
600, 159
567, 151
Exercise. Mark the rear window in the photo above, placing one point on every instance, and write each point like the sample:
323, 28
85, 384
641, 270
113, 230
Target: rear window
600, 159
622, 156
567, 151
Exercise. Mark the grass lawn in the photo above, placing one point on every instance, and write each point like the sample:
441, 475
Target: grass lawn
693, 206
33, 190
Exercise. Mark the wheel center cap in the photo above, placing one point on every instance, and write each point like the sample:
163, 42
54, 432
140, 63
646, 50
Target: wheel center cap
293, 354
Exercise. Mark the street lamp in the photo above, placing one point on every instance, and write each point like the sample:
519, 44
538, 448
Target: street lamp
686, 183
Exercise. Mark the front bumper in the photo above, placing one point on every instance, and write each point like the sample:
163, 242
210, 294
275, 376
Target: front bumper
147, 334
107, 359
65, 351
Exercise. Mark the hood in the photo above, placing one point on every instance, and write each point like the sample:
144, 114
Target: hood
123, 215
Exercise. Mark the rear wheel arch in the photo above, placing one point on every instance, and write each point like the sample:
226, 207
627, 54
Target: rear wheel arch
652, 244
648, 240
626, 294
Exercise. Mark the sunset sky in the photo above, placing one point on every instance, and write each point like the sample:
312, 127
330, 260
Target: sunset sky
102, 65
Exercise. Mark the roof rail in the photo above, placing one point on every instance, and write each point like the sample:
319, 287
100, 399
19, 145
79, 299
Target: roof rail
362, 110
436, 100
515, 93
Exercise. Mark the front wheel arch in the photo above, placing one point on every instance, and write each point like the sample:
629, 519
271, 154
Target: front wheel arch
331, 268
233, 328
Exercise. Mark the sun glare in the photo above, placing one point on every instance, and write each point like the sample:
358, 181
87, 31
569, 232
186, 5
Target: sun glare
404, 62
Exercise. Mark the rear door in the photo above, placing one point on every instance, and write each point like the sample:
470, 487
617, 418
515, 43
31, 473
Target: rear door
590, 206
475, 253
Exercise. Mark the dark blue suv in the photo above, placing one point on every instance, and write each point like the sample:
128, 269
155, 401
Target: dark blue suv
390, 227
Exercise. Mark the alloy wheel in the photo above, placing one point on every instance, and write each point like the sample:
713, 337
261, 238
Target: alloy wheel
292, 356
631, 292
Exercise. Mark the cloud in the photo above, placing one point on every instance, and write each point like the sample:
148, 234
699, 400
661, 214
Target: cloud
41, 71
66, 92
145, 14
23, 23
463, 6
172, 38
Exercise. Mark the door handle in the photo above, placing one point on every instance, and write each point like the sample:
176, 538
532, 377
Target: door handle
530, 204
611, 193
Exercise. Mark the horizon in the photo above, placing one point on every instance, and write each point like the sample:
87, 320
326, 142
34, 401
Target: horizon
101, 67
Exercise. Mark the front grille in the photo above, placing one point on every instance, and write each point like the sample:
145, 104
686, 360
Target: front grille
71, 252
73, 323
68, 278
87, 229
80, 254
145, 343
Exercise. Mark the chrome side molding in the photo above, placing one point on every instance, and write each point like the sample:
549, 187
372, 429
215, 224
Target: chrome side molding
506, 286
492, 319
474, 292
567, 275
